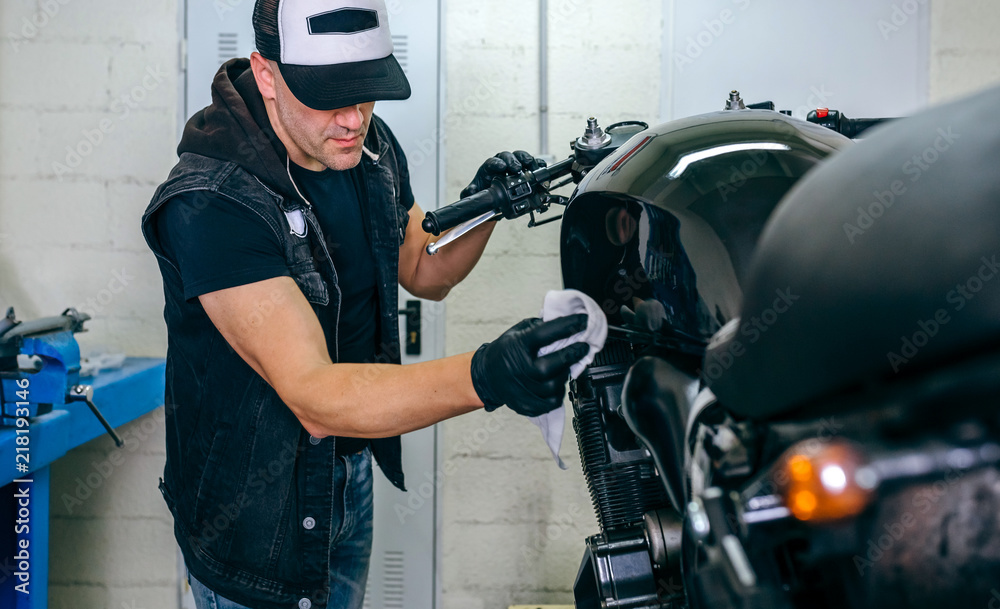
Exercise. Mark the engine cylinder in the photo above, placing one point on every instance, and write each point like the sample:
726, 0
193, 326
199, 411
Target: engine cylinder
620, 472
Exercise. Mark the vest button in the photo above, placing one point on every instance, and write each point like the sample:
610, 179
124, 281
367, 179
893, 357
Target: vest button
309, 523
314, 440
305, 603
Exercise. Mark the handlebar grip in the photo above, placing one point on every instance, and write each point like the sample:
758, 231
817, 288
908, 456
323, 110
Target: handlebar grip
854, 126
836, 121
450, 216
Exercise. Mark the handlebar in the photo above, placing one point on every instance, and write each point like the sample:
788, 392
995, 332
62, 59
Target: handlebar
450, 216
836, 121
510, 196
513, 196
854, 127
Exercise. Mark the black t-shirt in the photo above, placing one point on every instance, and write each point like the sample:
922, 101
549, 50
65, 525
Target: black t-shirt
336, 201
218, 244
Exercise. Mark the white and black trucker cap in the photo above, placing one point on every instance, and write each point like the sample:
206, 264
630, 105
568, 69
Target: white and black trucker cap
331, 53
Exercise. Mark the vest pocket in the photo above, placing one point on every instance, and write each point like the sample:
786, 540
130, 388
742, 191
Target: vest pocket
313, 287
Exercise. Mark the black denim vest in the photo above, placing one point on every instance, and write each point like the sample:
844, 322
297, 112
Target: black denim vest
251, 492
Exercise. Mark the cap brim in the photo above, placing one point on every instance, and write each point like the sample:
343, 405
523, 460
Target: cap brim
342, 85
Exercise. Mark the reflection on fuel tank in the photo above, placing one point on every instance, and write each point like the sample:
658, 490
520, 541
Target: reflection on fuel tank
669, 270
621, 225
647, 281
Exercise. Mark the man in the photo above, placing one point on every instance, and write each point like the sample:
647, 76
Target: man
281, 235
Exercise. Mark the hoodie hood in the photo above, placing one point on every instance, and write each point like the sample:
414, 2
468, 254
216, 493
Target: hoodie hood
236, 128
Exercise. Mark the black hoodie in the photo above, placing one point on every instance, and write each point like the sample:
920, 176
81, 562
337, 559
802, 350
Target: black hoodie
236, 128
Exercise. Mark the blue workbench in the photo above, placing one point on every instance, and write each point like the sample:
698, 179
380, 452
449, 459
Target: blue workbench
122, 395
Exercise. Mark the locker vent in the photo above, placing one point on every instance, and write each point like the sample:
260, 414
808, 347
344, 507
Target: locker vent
393, 592
228, 46
401, 49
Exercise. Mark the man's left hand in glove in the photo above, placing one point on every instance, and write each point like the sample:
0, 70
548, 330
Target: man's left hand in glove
501, 164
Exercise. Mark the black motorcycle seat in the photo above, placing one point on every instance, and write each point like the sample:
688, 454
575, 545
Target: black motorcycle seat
881, 263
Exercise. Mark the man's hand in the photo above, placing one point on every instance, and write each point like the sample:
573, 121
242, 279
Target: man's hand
432, 277
504, 163
509, 370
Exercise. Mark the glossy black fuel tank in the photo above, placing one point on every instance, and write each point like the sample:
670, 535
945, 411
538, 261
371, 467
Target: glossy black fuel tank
891, 250
667, 223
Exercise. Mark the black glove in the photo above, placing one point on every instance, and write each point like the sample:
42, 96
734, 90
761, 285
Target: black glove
509, 370
504, 163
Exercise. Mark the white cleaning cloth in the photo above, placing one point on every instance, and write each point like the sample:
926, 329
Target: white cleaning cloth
560, 304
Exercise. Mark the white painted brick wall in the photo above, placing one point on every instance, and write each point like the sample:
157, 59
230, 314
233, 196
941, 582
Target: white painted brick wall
62, 238
514, 523
965, 48
112, 535
67, 223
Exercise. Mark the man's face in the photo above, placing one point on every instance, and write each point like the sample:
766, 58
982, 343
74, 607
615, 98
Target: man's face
323, 138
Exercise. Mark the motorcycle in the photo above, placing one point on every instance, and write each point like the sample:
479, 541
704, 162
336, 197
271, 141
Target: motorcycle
755, 432
860, 415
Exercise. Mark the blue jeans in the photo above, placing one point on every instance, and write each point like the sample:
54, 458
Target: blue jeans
352, 543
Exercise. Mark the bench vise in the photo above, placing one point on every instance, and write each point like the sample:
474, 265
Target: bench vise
40, 367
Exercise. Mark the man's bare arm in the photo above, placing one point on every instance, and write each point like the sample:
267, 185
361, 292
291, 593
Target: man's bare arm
274, 329
432, 277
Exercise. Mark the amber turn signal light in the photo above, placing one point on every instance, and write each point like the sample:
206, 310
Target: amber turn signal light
818, 481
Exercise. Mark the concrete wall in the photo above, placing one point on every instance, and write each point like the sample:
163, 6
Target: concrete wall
87, 129
514, 523
965, 50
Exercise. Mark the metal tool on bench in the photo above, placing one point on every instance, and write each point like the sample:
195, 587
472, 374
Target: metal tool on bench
44, 353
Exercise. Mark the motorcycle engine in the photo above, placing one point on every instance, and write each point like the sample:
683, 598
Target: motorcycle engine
624, 486
623, 481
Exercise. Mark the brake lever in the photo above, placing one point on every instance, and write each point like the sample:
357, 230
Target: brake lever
533, 222
547, 201
460, 231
